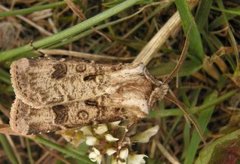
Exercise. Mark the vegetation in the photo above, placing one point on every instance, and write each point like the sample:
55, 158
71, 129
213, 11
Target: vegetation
146, 31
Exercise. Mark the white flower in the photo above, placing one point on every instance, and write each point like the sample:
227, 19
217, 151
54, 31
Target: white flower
115, 161
115, 123
124, 154
95, 156
100, 129
110, 151
136, 158
110, 138
86, 130
91, 141
144, 137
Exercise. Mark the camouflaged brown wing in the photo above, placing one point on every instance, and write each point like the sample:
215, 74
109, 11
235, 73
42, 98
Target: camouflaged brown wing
46, 82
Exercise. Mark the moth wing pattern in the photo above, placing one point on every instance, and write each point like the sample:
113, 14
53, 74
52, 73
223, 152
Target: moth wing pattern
47, 82
26, 120
56, 94
22, 117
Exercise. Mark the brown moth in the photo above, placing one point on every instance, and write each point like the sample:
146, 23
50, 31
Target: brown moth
56, 94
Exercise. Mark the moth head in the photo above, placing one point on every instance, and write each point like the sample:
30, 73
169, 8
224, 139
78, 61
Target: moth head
159, 90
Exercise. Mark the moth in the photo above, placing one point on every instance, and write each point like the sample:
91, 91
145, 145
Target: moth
55, 94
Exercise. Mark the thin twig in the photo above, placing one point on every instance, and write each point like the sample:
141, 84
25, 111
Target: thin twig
4, 110
171, 97
39, 28
75, 9
179, 64
166, 154
83, 55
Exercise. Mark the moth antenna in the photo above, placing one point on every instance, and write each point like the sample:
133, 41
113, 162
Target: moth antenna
181, 58
188, 116
180, 62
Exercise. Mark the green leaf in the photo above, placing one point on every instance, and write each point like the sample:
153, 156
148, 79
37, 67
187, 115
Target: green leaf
204, 118
191, 30
222, 148
202, 13
188, 68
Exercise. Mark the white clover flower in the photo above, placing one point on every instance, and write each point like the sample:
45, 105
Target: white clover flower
91, 141
95, 156
101, 129
123, 154
136, 158
110, 138
87, 131
145, 136
110, 151
115, 123
115, 161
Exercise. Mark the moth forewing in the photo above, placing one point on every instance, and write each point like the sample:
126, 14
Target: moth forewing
46, 82
28, 120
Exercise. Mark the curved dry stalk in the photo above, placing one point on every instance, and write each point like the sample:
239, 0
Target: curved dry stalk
75, 10
179, 64
188, 116
39, 28
153, 46
166, 154
83, 55
160, 38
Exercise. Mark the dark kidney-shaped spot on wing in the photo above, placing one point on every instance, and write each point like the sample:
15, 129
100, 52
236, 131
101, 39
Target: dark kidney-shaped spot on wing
60, 70
61, 113
91, 102
90, 77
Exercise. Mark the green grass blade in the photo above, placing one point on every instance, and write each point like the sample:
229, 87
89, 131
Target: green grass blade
194, 110
68, 33
219, 151
65, 150
203, 11
234, 11
191, 30
4, 76
204, 118
220, 21
188, 68
29, 152
31, 9
8, 150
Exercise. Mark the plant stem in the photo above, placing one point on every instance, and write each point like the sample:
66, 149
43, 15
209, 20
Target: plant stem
68, 33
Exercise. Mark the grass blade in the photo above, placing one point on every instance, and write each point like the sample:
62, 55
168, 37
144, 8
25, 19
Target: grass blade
204, 118
68, 33
31, 9
65, 150
8, 150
